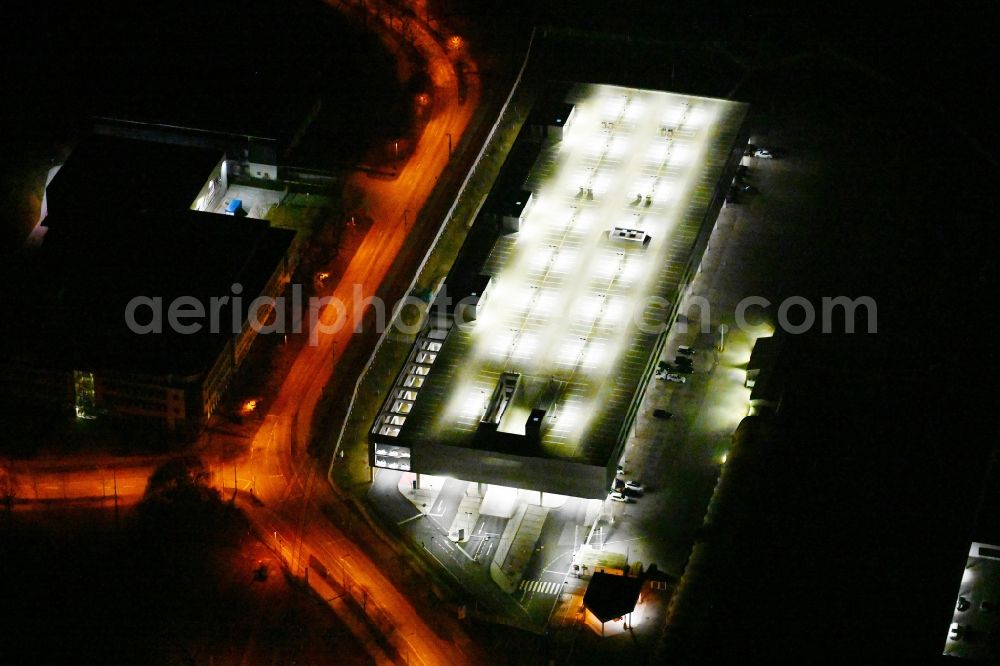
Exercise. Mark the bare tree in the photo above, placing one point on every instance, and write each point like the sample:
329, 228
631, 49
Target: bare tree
8, 485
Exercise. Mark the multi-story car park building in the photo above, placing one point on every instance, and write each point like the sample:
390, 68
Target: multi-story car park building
537, 349
125, 220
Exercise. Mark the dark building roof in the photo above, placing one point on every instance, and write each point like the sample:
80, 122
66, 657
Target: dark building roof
551, 114
766, 358
510, 203
471, 286
509, 196
67, 301
987, 526
765, 353
609, 596
106, 172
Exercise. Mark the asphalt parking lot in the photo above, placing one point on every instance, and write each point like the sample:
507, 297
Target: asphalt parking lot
678, 459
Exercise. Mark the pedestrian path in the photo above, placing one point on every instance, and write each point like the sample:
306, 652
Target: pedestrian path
541, 586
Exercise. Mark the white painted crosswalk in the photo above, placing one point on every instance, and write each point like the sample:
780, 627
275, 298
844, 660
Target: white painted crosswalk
541, 586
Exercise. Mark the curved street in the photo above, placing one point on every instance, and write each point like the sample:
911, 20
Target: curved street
287, 482
283, 491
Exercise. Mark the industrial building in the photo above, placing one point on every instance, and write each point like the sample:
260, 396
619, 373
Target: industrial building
123, 221
766, 375
611, 598
538, 347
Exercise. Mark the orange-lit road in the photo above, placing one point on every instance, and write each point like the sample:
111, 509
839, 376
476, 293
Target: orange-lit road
290, 487
393, 205
96, 482
278, 467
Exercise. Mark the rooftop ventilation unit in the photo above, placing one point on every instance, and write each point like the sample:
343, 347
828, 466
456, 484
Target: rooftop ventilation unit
629, 237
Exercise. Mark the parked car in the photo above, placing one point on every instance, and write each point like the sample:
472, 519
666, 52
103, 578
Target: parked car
631, 492
634, 484
619, 497
686, 369
748, 189
963, 604
763, 153
661, 414
621, 470
671, 377
683, 360
687, 351
956, 631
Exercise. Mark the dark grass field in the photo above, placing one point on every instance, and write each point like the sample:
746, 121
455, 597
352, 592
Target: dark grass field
166, 586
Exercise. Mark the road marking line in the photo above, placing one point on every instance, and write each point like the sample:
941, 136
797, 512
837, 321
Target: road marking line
406, 520
540, 586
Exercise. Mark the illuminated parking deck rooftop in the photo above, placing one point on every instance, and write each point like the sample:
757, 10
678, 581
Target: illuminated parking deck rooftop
616, 208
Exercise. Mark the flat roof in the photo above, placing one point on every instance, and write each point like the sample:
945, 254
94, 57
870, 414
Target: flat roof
106, 172
765, 353
509, 203
561, 309
609, 596
70, 294
468, 285
554, 113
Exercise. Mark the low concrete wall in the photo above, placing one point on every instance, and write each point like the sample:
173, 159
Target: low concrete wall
547, 475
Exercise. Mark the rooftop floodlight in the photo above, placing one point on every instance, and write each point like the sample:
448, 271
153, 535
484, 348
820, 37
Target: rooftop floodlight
526, 346
699, 116
502, 341
613, 311
617, 146
584, 221
564, 261
571, 350
672, 118
594, 355
590, 308
613, 106
545, 303
635, 109
633, 268
657, 152
680, 155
